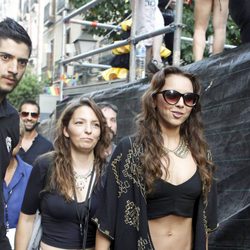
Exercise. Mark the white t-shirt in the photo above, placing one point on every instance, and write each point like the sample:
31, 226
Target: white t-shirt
11, 235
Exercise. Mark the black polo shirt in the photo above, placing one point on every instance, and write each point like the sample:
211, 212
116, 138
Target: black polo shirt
9, 137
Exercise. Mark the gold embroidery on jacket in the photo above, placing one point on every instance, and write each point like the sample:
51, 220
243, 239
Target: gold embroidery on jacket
132, 171
106, 232
132, 214
122, 185
142, 244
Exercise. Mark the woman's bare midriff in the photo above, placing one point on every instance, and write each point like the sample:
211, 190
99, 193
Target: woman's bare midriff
47, 247
171, 232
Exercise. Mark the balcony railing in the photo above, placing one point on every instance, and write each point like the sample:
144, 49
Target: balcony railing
48, 16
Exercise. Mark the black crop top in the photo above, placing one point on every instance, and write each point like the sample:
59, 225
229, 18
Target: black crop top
167, 198
60, 221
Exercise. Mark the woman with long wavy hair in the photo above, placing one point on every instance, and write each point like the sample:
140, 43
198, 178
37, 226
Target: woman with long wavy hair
61, 182
159, 191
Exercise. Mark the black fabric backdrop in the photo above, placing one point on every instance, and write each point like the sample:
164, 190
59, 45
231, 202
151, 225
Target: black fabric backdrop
226, 114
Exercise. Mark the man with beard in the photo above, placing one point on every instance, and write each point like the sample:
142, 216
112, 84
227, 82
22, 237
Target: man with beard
33, 143
110, 113
15, 50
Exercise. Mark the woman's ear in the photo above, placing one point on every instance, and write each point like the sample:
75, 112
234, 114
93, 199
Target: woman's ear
65, 132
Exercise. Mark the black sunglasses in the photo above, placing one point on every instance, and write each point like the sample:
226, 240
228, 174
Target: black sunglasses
32, 114
172, 97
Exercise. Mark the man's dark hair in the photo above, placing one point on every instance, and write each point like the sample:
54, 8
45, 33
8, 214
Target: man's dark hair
10, 29
32, 102
103, 105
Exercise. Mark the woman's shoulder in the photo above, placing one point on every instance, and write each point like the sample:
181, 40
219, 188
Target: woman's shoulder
45, 159
128, 148
43, 163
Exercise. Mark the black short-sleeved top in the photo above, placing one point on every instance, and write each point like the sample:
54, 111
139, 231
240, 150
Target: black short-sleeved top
60, 221
9, 138
39, 146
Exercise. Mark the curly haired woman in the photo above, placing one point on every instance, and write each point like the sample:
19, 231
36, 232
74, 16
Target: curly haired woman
61, 181
159, 191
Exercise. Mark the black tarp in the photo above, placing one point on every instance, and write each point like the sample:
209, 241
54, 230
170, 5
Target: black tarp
226, 114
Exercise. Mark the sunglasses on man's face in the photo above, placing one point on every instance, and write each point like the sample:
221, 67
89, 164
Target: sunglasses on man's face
172, 97
32, 114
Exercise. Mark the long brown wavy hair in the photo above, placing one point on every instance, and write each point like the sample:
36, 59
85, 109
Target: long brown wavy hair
149, 133
61, 176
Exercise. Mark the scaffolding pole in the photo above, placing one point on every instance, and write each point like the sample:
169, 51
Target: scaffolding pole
177, 33
190, 39
66, 19
95, 24
91, 65
85, 7
136, 39
132, 64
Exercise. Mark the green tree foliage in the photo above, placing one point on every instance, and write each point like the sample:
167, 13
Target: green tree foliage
28, 88
108, 11
114, 11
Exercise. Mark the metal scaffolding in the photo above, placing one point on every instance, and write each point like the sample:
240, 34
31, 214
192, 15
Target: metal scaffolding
132, 40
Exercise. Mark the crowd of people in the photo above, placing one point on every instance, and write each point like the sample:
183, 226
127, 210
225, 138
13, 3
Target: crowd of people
156, 187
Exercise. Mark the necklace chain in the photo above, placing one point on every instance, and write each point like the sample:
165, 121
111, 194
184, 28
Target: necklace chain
81, 179
181, 151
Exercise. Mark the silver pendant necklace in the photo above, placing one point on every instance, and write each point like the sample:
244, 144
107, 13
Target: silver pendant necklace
181, 151
81, 179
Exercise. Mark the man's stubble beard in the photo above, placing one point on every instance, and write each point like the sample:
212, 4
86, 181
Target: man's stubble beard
4, 92
32, 128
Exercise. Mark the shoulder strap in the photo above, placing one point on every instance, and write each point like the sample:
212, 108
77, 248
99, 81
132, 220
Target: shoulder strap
88, 204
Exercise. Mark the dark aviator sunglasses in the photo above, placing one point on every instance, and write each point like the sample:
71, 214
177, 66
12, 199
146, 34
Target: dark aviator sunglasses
172, 97
32, 114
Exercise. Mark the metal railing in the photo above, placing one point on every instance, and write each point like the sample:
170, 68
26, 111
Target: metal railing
208, 42
175, 27
85, 7
96, 24
133, 40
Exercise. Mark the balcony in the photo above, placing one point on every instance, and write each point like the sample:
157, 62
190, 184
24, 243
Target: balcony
49, 18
